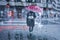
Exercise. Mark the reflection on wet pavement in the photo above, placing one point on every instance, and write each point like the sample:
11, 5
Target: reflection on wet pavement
23, 35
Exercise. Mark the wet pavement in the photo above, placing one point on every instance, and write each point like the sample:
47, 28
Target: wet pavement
23, 35
19, 31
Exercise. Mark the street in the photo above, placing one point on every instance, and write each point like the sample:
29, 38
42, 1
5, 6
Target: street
19, 17
49, 31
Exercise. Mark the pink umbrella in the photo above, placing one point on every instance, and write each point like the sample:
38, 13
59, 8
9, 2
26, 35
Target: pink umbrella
34, 8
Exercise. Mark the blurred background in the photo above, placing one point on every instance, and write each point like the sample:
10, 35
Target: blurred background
13, 19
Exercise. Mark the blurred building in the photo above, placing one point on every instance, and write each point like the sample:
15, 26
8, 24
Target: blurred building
49, 6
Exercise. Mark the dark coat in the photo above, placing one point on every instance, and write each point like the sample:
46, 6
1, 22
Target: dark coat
30, 19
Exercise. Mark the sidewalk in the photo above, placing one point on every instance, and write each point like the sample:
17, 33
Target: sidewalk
50, 21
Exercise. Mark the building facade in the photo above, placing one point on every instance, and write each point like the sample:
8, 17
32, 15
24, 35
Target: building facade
49, 6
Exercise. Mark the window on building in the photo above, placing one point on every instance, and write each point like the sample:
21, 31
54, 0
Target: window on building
28, 0
38, 1
43, 1
17, 0
33, 0
7, 0
49, 1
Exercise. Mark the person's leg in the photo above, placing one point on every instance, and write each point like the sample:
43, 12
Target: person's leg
30, 29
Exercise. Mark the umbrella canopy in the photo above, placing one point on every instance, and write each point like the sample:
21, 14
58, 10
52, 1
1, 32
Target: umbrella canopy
34, 8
